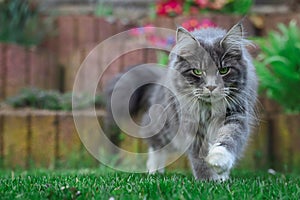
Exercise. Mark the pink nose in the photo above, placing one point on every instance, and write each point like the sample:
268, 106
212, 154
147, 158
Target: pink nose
211, 87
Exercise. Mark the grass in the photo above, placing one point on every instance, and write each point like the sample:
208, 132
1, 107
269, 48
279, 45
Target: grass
99, 184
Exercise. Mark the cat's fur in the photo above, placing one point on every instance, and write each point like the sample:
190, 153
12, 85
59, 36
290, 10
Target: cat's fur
207, 116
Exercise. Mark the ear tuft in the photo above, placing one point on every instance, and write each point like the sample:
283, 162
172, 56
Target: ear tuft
182, 34
186, 43
234, 39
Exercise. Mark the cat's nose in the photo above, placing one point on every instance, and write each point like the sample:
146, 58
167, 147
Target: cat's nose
211, 87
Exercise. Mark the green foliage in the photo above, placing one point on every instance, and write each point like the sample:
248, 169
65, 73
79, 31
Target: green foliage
162, 58
21, 23
278, 66
240, 7
103, 10
107, 184
51, 100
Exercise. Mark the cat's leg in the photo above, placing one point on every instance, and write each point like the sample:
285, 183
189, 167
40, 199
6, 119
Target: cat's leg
228, 147
200, 168
203, 171
156, 160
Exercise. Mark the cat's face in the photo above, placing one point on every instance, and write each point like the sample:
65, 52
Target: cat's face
213, 69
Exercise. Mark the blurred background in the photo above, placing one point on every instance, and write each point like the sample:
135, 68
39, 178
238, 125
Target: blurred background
44, 42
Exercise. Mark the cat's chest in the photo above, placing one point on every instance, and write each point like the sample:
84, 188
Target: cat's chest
204, 117
209, 122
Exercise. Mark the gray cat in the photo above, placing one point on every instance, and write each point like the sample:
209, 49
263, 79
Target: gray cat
207, 102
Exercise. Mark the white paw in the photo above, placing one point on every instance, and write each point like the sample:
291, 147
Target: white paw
154, 168
220, 159
221, 177
156, 161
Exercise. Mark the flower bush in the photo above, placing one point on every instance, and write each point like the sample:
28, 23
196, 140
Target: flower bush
194, 24
173, 8
169, 8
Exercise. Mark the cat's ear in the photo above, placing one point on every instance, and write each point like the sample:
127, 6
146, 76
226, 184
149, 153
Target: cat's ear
186, 43
233, 40
184, 36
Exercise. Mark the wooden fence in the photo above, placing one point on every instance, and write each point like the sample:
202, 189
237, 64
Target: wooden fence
54, 64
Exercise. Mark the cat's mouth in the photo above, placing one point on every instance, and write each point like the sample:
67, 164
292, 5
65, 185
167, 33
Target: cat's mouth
209, 98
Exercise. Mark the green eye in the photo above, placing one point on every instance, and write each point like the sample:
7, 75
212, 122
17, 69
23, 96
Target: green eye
224, 70
197, 72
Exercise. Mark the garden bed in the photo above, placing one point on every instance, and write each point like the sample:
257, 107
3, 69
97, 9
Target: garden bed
48, 139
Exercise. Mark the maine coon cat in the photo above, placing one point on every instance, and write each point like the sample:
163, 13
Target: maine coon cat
210, 109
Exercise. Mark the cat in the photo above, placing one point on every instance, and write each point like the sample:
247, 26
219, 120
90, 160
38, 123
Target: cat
208, 104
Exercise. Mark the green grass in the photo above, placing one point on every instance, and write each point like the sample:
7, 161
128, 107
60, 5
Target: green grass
99, 184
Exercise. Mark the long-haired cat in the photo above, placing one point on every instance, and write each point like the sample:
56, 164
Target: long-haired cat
208, 105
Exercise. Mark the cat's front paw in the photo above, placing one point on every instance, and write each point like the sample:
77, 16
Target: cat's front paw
220, 159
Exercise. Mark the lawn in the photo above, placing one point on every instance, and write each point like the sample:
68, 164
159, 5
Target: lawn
100, 184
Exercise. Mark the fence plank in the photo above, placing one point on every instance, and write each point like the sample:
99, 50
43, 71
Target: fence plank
281, 143
90, 137
295, 140
86, 31
16, 69
136, 57
256, 155
92, 68
151, 55
104, 29
71, 70
37, 67
67, 38
69, 143
110, 65
42, 143
2, 70
52, 70
15, 139
1, 140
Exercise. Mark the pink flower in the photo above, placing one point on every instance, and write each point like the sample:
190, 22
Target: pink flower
194, 24
169, 8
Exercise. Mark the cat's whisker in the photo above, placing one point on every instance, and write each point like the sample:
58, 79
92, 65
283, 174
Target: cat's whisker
238, 103
178, 99
182, 107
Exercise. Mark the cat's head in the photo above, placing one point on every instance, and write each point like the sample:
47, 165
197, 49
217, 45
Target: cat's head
211, 62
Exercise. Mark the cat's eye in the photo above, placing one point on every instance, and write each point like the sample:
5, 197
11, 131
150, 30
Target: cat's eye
224, 70
197, 72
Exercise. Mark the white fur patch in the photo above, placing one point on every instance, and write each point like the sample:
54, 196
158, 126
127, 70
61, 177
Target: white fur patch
220, 159
220, 177
156, 161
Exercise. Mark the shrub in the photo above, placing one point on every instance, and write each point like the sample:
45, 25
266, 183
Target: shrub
278, 66
51, 100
